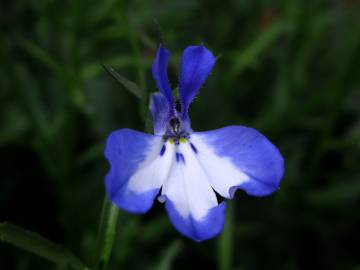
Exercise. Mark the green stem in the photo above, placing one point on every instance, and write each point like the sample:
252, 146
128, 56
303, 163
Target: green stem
40, 246
225, 242
107, 232
110, 212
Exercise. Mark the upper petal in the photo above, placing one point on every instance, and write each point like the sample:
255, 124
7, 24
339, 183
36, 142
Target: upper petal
239, 157
190, 201
196, 64
139, 167
159, 108
159, 71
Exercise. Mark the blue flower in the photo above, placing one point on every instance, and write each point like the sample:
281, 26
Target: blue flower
184, 168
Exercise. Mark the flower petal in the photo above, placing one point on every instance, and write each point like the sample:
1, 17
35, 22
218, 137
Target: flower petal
196, 64
160, 111
159, 71
239, 157
139, 166
190, 201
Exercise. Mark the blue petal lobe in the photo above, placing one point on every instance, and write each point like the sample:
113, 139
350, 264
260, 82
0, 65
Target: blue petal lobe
196, 64
125, 150
252, 153
160, 111
211, 225
159, 71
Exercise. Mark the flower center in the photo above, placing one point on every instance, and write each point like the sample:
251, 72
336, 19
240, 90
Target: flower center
175, 132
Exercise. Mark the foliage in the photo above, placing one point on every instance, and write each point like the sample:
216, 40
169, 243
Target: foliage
288, 68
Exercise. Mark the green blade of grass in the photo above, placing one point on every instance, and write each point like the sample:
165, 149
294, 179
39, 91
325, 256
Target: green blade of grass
37, 52
169, 255
249, 55
40, 246
129, 85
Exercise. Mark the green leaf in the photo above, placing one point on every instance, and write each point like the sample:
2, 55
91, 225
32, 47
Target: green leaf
169, 255
35, 243
37, 52
335, 196
155, 229
100, 12
246, 57
13, 124
309, 47
94, 152
129, 85
107, 232
93, 69
30, 93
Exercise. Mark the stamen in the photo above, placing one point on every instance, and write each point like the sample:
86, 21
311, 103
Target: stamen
175, 125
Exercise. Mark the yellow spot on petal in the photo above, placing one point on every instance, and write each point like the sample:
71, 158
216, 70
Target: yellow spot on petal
182, 140
171, 141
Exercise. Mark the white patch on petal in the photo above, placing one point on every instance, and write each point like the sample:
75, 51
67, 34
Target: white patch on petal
154, 170
188, 186
222, 173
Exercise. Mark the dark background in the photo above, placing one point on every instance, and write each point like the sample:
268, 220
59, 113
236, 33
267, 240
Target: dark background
288, 68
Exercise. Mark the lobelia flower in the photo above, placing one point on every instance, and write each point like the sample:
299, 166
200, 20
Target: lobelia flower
185, 166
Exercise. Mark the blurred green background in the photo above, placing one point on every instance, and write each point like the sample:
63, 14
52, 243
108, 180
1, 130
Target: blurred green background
288, 68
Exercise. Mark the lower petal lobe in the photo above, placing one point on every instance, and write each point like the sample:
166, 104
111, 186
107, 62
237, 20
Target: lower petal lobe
189, 199
251, 153
127, 150
199, 230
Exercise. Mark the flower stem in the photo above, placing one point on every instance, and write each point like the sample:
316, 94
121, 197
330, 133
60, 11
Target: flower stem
225, 251
106, 235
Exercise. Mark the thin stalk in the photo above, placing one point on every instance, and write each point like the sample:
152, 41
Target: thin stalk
106, 235
110, 212
225, 251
